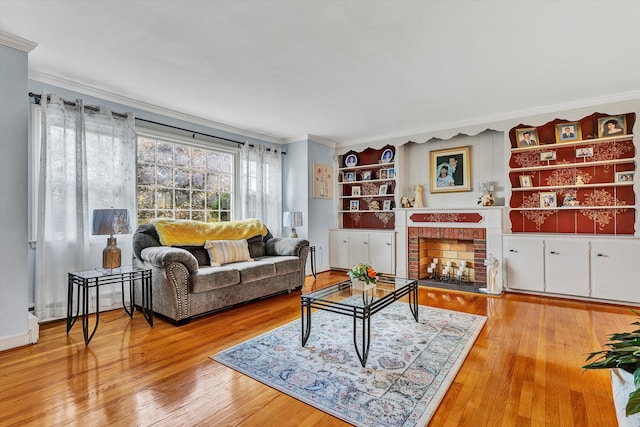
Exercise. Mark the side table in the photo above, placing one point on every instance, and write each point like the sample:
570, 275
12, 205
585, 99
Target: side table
86, 280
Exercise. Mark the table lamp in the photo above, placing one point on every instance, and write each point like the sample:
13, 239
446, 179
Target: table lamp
293, 220
107, 222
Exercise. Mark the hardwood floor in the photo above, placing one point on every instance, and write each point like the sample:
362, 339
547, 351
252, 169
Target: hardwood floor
524, 369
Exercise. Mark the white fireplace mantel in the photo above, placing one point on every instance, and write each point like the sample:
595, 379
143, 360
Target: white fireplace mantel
490, 218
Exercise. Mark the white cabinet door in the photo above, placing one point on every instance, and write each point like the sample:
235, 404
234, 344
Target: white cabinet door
615, 270
339, 249
524, 262
358, 248
567, 266
382, 252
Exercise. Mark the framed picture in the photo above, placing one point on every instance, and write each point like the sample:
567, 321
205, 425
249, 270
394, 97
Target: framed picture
612, 126
567, 132
383, 174
547, 155
526, 181
354, 205
386, 205
387, 156
322, 181
584, 152
366, 175
355, 190
624, 176
548, 200
383, 190
349, 176
450, 170
391, 173
527, 137
351, 160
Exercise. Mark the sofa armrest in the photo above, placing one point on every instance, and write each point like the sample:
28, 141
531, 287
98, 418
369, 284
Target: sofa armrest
286, 246
162, 256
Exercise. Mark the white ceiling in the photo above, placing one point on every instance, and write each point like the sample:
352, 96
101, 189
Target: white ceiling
347, 71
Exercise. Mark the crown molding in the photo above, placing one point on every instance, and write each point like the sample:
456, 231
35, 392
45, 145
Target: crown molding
17, 42
152, 108
314, 138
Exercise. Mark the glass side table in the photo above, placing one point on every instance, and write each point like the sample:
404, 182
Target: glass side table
84, 281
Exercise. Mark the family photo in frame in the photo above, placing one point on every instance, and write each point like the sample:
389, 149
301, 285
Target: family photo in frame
568, 132
612, 126
527, 137
450, 170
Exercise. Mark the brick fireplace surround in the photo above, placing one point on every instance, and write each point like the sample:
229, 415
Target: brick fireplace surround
483, 226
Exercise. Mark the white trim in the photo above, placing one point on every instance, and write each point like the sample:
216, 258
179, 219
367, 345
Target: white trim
208, 144
17, 42
110, 96
30, 336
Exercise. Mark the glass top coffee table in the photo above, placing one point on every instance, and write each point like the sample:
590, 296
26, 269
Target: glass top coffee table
341, 298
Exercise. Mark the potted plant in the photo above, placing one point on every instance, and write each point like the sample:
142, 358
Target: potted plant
363, 277
623, 357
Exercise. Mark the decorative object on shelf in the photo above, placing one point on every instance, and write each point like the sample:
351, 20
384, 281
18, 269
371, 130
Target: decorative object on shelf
525, 181
623, 354
548, 199
486, 194
579, 180
407, 201
366, 175
624, 176
363, 272
567, 132
584, 152
322, 181
108, 222
491, 262
547, 156
387, 156
293, 220
527, 137
355, 190
570, 200
612, 126
392, 173
386, 205
351, 160
450, 170
349, 176
417, 191
382, 190
354, 205
383, 174
374, 205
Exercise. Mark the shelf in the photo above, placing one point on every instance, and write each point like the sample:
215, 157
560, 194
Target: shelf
573, 165
574, 143
369, 166
367, 211
364, 196
368, 180
555, 187
566, 208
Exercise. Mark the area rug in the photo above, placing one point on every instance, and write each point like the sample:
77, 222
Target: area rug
410, 366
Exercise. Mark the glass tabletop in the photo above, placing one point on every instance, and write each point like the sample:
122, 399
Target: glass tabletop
386, 287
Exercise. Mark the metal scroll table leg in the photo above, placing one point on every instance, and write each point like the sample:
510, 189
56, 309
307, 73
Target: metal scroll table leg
147, 298
128, 310
366, 337
413, 301
305, 319
85, 312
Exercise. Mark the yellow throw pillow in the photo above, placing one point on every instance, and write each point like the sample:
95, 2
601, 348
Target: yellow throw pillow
227, 251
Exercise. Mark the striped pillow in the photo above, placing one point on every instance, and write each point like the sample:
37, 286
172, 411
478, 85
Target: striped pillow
227, 251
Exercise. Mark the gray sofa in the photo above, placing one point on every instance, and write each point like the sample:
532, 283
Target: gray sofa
185, 285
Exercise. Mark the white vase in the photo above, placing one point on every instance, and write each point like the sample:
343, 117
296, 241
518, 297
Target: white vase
361, 285
621, 386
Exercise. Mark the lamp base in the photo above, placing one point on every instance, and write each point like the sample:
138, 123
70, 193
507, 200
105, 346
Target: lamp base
293, 233
111, 254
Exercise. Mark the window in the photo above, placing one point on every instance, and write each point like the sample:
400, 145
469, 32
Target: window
183, 181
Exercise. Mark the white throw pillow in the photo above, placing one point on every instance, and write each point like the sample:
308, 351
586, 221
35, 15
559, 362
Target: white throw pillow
227, 251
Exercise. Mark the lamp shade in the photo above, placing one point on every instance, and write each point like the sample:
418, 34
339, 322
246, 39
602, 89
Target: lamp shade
292, 219
107, 222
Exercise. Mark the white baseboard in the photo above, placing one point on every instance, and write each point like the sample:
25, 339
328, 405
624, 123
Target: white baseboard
30, 336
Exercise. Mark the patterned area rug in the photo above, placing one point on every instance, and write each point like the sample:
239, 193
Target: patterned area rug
410, 366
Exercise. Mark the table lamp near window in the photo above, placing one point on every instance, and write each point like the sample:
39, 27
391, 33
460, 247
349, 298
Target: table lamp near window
107, 222
293, 220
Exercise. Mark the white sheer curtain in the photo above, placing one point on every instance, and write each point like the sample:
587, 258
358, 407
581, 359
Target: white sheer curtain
261, 186
87, 162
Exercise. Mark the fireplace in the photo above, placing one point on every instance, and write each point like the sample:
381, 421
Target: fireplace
453, 236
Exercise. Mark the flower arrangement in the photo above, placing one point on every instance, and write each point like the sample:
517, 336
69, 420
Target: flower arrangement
363, 272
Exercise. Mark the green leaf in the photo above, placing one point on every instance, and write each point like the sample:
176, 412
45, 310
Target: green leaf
633, 405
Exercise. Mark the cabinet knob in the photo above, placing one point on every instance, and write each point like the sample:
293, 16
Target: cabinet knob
602, 255
366, 243
388, 244
513, 250
554, 253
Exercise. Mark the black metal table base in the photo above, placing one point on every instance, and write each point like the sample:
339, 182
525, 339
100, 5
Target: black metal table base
86, 280
371, 305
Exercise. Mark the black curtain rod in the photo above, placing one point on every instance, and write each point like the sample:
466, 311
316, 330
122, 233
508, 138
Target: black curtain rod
73, 104
192, 132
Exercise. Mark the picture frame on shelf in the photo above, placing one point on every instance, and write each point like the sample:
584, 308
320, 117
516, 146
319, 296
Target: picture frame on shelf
612, 126
366, 175
583, 152
546, 156
349, 176
568, 132
391, 173
386, 205
624, 176
351, 160
548, 199
354, 205
527, 137
387, 156
383, 173
356, 190
526, 181
450, 170
382, 190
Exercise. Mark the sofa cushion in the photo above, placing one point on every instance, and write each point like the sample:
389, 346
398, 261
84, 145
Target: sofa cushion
256, 270
256, 246
199, 252
227, 251
208, 278
144, 237
283, 264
